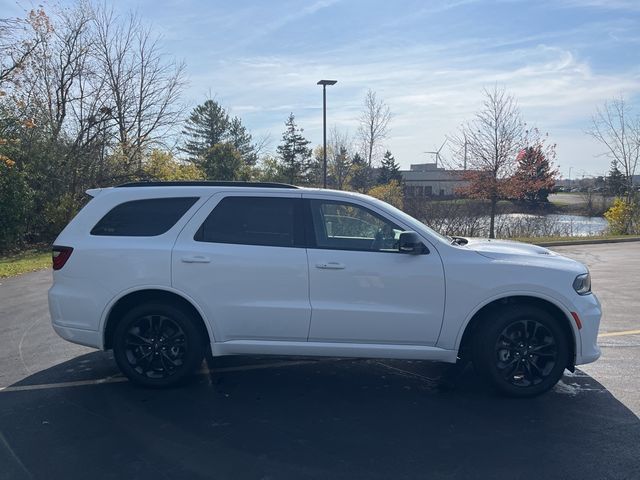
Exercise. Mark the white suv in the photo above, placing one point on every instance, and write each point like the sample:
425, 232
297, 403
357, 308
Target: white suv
160, 272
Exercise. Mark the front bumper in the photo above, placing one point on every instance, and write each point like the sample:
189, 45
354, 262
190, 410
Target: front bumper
589, 310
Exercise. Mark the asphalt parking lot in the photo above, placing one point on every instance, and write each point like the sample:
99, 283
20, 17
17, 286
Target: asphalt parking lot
66, 413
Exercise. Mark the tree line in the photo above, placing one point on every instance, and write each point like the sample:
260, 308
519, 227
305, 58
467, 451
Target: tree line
89, 99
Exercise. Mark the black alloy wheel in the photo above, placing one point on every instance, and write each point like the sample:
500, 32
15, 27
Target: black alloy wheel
158, 345
522, 350
155, 346
525, 353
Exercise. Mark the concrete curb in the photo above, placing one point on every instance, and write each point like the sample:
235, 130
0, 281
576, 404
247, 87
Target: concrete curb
587, 242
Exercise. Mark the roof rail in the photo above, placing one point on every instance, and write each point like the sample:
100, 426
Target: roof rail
198, 183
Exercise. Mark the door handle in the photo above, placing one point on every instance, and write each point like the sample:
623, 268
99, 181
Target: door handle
196, 259
330, 266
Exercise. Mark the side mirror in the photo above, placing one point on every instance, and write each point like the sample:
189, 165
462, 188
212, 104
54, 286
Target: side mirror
411, 243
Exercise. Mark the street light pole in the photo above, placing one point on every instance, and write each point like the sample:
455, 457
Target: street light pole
324, 84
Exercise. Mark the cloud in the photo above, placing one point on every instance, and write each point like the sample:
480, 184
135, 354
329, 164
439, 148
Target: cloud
432, 83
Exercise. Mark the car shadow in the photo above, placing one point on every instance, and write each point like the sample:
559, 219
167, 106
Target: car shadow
277, 418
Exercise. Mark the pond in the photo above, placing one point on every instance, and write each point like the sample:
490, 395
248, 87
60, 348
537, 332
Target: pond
525, 225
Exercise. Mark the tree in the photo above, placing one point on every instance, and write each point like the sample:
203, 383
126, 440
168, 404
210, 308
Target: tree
142, 85
15, 203
390, 170
619, 132
223, 162
161, 165
338, 159
535, 175
271, 170
207, 125
242, 140
294, 152
493, 139
391, 193
374, 125
615, 182
18, 40
93, 97
361, 174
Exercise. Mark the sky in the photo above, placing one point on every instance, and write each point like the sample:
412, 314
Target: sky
429, 60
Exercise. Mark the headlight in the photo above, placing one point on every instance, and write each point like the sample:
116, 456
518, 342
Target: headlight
582, 284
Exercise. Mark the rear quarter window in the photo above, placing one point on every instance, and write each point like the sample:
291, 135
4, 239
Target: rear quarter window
143, 218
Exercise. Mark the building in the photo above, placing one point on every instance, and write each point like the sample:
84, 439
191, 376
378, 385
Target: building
429, 180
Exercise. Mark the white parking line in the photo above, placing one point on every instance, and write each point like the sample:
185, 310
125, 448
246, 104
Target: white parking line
100, 381
619, 334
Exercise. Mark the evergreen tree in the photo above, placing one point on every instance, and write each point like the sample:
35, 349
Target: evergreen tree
207, 126
294, 153
223, 162
390, 170
242, 141
340, 168
361, 174
211, 133
616, 182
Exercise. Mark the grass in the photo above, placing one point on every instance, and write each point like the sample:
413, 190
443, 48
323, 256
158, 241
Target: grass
539, 240
27, 261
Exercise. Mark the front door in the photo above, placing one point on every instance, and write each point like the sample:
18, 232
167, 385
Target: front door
362, 289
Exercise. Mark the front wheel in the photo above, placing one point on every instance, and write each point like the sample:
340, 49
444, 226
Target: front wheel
157, 345
522, 351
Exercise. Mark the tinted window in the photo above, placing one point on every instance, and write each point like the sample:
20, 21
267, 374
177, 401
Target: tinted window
346, 226
268, 221
143, 218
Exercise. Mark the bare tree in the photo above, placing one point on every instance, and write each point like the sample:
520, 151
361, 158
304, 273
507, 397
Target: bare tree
60, 70
493, 139
615, 128
142, 84
18, 40
374, 125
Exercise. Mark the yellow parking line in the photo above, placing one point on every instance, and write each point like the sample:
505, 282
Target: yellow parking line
618, 334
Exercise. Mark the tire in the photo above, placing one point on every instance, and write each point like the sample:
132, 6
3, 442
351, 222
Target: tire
522, 350
158, 345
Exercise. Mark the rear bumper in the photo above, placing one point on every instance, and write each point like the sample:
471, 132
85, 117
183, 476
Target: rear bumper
69, 323
88, 338
589, 310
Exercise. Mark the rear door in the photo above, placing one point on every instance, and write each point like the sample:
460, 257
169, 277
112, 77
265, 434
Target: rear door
362, 289
242, 258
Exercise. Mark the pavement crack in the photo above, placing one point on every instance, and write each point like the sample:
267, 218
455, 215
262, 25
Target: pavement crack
24, 335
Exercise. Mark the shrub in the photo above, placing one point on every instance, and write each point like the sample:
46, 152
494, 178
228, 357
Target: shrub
391, 192
15, 202
624, 216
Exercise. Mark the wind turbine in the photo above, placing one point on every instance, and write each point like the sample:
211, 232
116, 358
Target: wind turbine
437, 153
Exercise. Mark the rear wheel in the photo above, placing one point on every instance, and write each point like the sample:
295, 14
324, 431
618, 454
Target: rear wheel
158, 345
522, 350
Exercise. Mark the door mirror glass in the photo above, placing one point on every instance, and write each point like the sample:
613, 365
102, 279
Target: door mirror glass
411, 243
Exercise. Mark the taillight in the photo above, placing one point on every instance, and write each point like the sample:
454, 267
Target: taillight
60, 255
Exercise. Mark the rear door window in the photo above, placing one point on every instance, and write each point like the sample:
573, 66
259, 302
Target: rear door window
267, 221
